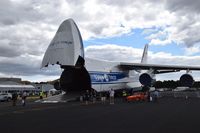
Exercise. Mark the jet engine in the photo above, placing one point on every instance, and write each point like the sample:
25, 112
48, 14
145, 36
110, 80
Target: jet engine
186, 80
145, 79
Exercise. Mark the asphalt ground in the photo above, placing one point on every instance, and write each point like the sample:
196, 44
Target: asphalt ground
168, 115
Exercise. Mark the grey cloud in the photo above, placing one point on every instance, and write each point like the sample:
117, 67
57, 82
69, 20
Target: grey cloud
112, 53
150, 17
125, 3
98, 28
23, 38
184, 6
75, 2
123, 53
29, 11
12, 13
25, 69
26, 65
10, 51
117, 2
8, 21
22, 30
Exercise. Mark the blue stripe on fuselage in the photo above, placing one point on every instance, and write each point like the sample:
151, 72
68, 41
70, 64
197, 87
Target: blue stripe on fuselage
106, 77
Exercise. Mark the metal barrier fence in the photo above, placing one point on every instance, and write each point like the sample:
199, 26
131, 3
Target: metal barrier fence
193, 94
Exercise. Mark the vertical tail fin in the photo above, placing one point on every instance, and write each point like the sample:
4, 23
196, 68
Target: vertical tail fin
145, 60
145, 55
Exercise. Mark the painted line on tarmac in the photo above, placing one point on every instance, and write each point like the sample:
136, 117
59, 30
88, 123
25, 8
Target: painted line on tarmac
24, 110
17, 112
2, 114
36, 109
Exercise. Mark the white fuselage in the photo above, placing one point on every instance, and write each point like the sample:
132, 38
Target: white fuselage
106, 75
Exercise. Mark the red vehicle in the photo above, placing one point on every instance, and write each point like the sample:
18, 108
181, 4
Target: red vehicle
140, 96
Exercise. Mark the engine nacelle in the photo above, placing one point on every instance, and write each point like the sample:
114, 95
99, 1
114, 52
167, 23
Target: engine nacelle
145, 79
186, 80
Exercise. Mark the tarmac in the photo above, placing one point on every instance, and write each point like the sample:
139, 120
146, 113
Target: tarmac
168, 115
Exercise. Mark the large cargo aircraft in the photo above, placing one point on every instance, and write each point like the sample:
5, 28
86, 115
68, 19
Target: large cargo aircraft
80, 73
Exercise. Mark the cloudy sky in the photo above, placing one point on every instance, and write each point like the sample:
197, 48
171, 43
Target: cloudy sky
118, 28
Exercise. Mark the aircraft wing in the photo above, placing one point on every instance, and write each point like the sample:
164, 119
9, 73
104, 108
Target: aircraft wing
156, 67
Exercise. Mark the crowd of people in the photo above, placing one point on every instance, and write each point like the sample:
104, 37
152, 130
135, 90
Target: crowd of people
90, 96
23, 98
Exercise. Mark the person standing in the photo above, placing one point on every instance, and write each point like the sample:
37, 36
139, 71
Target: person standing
81, 97
87, 97
24, 95
112, 94
156, 96
103, 97
41, 95
124, 95
14, 98
94, 95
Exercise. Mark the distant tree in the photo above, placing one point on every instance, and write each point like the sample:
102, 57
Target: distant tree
166, 84
26, 82
172, 84
158, 84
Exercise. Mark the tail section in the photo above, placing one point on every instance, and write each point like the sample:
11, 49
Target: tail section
145, 55
66, 48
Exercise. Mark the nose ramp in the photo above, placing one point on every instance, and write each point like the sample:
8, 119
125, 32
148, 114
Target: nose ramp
66, 50
66, 46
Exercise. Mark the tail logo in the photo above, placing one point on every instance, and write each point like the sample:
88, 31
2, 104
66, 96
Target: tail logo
61, 42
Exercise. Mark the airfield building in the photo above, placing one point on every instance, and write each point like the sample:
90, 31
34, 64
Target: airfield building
15, 85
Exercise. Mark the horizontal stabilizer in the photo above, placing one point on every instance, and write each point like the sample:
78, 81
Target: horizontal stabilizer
66, 46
